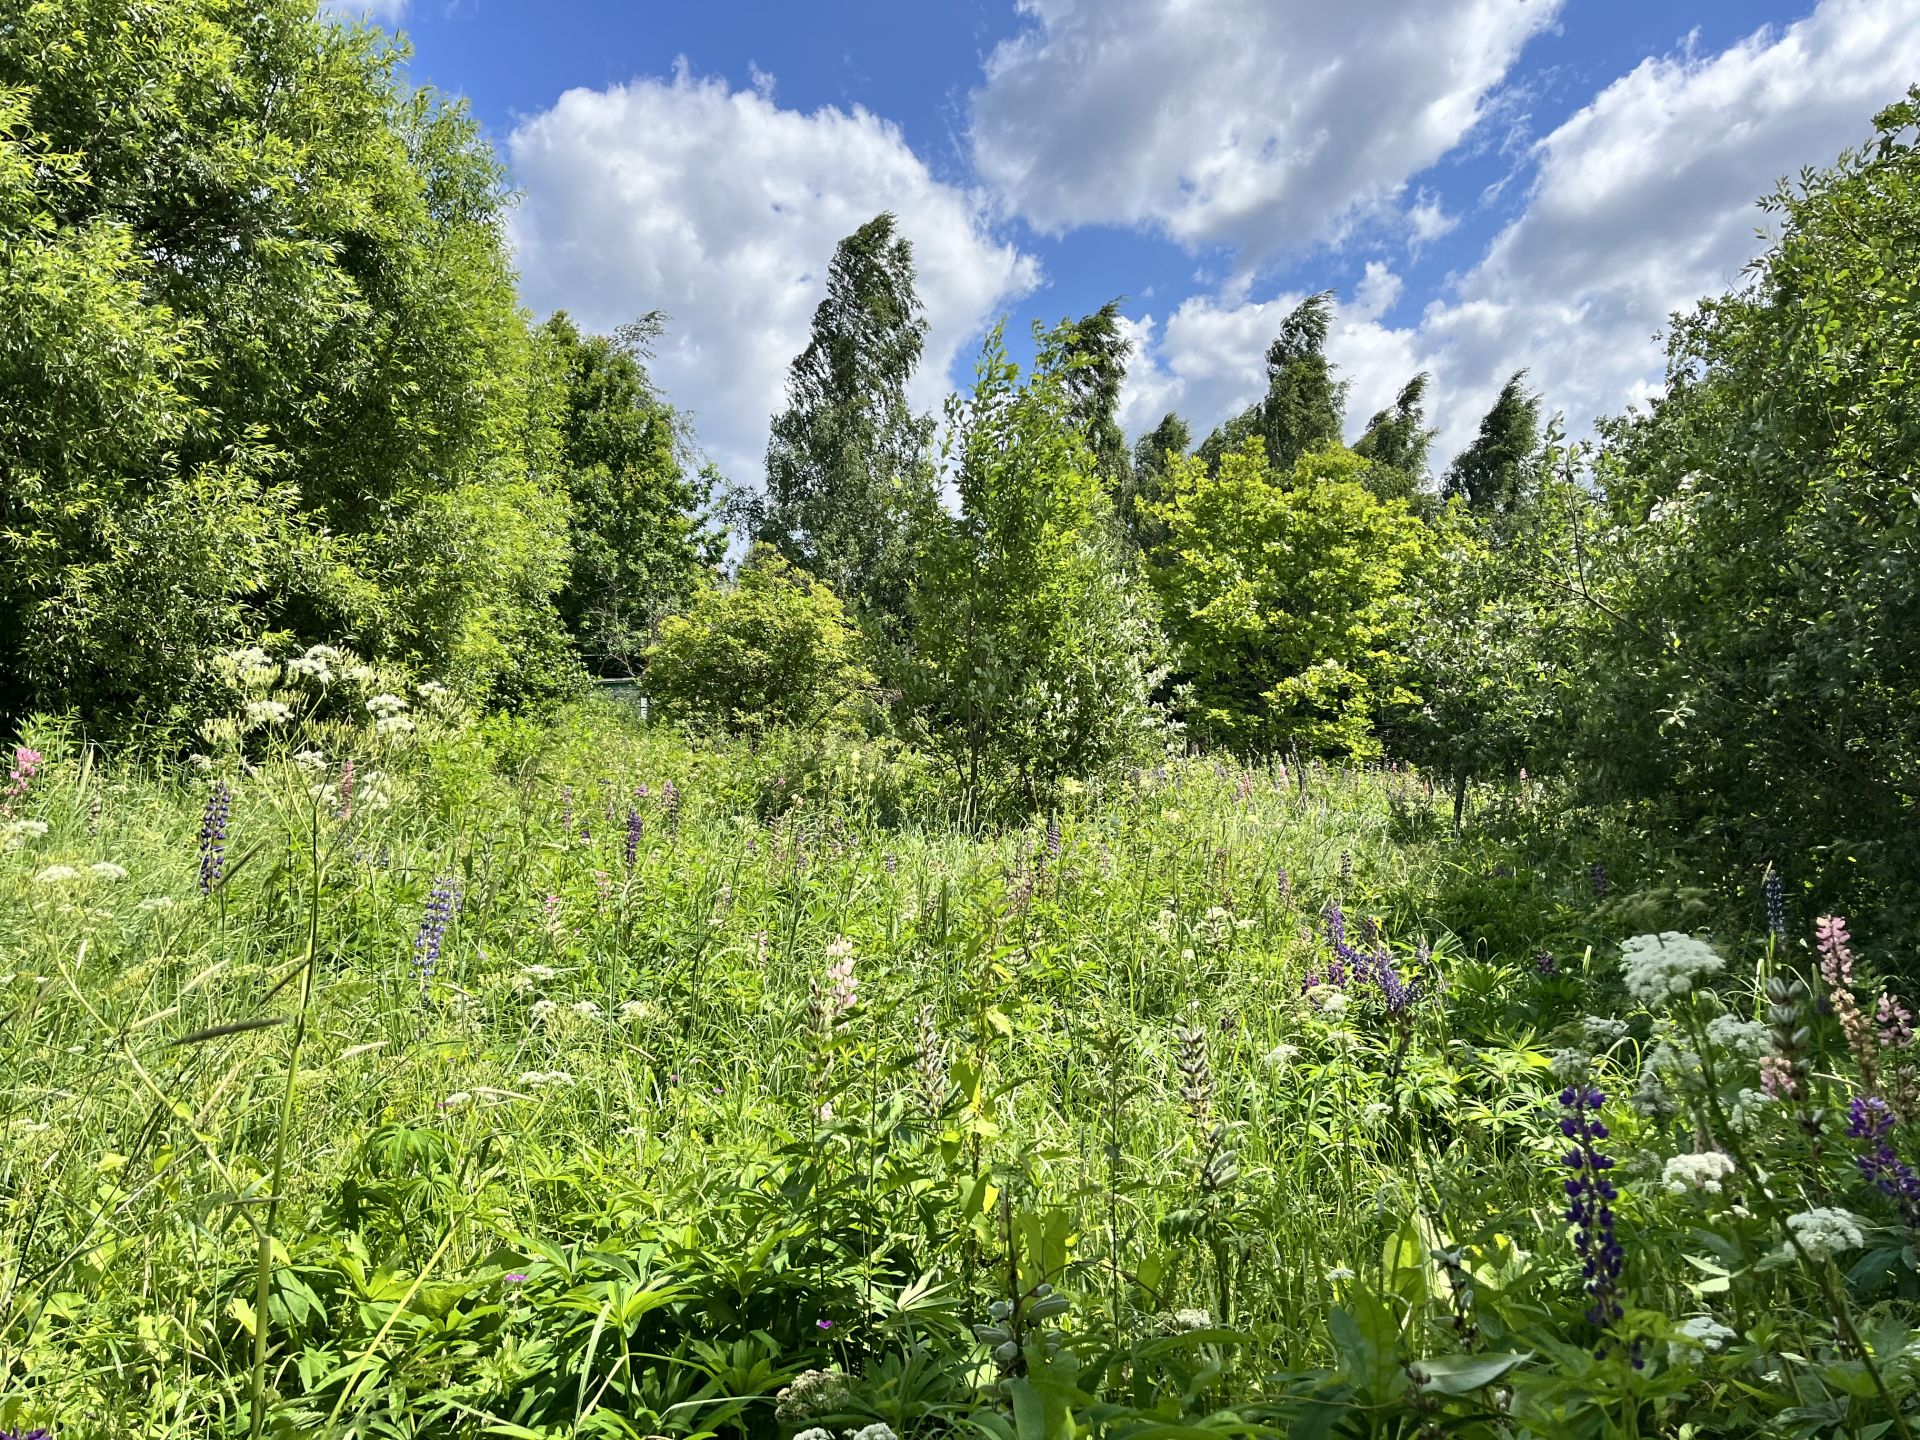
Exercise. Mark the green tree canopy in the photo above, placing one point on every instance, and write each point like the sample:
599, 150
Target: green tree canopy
848, 478
1153, 458
1396, 443
639, 511
1494, 473
1033, 645
1287, 596
1091, 355
267, 369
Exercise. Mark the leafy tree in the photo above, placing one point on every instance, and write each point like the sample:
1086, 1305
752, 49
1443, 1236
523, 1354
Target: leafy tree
1153, 456
267, 367
775, 647
847, 476
1287, 597
1032, 659
1091, 356
1757, 593
1302, 409
1396, 443
1493, 473
638, 514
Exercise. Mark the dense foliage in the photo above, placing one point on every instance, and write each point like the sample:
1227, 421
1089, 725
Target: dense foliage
882, 1028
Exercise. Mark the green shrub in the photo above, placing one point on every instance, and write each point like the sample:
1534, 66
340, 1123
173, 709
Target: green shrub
773, 648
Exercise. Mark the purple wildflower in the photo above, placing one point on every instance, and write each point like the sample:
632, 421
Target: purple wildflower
213, 836
26, 764
1053, 837
1597, 878
824, 1323
670, 803
34, 1434
441, 904
1773, 890
1590, 1199
1546, 964
1282, 885
566, 811
1870, 1119
345, 810
634, 827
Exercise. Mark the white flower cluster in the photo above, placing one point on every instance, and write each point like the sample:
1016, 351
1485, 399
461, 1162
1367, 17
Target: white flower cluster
1702, 1171
18, 832
544, 1079
1824, 1233
1187, 1320
1666, 966
1745, 1038
57, 875
1601, 1031
1697, 1334
389, 715
268, 712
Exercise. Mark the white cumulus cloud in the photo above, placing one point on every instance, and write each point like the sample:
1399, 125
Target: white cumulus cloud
1641, 203
723, 209
1263, 127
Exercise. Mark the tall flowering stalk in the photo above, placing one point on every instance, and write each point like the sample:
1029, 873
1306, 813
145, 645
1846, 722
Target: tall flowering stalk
631, 849
1590, 1201
1836, 969
441, 905
213, 836
1773, 890
26, 764
345, 811
1869, 1119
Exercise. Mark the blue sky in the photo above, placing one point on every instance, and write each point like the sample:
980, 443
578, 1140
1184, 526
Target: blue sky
1487, 184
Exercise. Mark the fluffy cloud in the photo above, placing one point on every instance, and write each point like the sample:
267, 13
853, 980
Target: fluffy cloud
723, 209
1263, 127
1640, 203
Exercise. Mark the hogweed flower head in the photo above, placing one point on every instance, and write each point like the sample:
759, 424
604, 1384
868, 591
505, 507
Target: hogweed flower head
1824, 1233
1666, 966
213, 836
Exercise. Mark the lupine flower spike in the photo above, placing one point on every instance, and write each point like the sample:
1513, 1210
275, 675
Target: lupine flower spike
1590, 1200
441, 905
213, 837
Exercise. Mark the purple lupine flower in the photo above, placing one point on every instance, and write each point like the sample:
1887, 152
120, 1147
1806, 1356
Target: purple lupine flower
1597, 878
670, 802
1053, 837
34, 1434
441, 905
1893, 1021
1869, 1119
634, 827
1545, 963
1282, 885
26, 764
1590, 1199
1774, 891
213, 836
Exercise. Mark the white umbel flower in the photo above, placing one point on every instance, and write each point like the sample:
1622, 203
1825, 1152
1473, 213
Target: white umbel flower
1697, 1334
1666, 966
107, 870
268, 712
1746, 1038
57, 875
1703, 1171
1825, 1232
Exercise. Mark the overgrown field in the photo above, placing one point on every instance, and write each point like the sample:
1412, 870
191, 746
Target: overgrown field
548, 1080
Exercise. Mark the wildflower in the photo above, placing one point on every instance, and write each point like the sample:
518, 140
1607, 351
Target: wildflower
1282, 885
459, 1099
107, 870
1196, 1075
1745, 1038
26, 764
1186, 1320
1870, 1119
543, 1011
1053, 837
1836, 969
16, 834
1894, 1023
392, 725
1774, 892
514, 1278
930, 1061
157, 902
1824, 1233
441, 905
638, 1010
670, 804
1590, 1197
814, 1432
879, 1430
1702, 1171
586, 1009
1339, 1273
213, 836
1602, 1031
831, 1002
57, 875
1545, 964
385, 706
1346, 871
632, 847
311, 761
1597, 878
268, 712
1570, 1066
1784, 1071
345, 811
1280, 1056
1666, 966
1695, 1335
811, 1393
